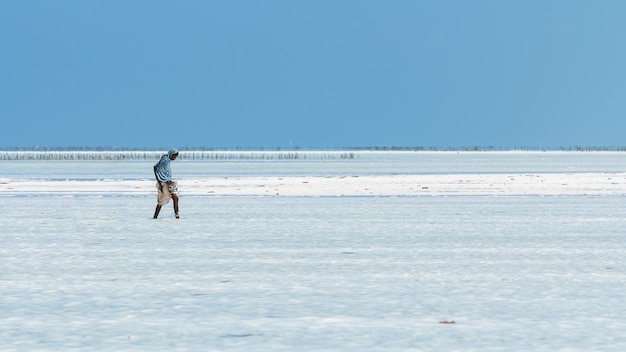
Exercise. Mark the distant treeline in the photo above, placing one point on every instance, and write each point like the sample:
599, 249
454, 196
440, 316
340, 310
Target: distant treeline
493, 148
101, 153
184, 155
298, 149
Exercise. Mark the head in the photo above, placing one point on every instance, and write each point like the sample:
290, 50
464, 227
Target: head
173, 153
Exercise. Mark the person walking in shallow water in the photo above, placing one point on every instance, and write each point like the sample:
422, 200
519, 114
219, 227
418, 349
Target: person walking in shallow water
167, 188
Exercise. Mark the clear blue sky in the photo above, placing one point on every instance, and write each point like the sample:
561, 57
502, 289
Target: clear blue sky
312, 74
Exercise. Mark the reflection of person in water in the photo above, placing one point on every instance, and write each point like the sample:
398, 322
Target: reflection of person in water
167, 188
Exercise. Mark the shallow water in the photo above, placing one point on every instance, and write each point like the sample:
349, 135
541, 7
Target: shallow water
363, 164
242, 273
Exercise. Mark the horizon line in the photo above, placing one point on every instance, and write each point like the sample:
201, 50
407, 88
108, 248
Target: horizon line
300, 149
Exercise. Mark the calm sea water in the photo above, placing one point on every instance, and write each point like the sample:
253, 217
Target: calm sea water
363, 163
244, 273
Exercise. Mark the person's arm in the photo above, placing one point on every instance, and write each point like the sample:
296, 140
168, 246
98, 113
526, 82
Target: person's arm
157, 178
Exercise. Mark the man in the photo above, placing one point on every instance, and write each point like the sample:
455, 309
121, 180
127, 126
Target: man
166, 187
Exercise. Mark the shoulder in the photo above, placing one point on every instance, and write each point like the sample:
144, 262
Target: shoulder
164, 160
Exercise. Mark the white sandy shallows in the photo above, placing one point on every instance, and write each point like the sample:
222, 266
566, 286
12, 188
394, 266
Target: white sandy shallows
395, 185
478, 261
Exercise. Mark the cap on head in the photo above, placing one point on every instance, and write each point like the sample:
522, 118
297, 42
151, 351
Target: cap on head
172, 151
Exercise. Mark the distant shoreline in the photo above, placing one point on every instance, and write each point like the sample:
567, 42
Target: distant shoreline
193, 154
338, 149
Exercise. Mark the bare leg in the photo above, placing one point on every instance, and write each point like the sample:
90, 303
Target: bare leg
156, 211
175, 199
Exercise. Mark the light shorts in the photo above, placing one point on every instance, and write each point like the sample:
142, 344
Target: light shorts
166, 192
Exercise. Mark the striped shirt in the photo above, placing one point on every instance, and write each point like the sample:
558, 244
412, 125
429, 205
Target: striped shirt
163, 170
